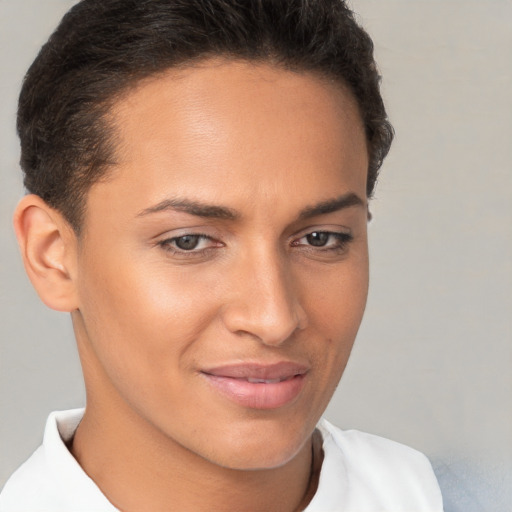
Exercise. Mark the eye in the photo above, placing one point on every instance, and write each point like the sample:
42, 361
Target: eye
324, 241
192, 243
318, 238
187, 242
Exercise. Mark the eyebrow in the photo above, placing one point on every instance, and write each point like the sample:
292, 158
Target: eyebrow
193, 208
332, 205
221, 212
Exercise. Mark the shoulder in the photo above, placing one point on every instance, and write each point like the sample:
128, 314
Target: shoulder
360, 447
51, 479
375, 474
27, 483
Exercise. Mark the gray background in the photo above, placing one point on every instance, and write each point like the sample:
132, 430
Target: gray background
432, 364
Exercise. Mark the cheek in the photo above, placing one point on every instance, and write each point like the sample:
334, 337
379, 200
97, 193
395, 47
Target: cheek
338, 299
335, 302
139, 322
336, 305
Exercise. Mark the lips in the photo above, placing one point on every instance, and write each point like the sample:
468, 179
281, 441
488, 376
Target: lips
258, 386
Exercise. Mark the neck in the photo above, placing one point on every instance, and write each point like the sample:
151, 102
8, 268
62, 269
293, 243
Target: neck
140, 469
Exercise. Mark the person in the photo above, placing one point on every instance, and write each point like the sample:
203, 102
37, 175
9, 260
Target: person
199, 176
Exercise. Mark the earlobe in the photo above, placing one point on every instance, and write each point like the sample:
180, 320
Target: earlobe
48, 249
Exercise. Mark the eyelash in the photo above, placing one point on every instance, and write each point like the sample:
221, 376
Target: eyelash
168, 246
341, 242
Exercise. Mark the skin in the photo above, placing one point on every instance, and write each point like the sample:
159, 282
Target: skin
269, 146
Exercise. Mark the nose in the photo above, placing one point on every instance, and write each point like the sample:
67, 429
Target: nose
264, 302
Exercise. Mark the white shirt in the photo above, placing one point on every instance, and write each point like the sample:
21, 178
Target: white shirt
360, 473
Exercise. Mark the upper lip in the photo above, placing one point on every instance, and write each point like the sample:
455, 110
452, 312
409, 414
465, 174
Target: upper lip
282, 370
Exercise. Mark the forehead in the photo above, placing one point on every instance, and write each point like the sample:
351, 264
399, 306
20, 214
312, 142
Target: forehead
252, 126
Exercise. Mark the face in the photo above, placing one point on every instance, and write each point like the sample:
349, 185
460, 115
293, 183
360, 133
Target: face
223, 270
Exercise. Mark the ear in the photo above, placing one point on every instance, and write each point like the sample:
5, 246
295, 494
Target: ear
48, 247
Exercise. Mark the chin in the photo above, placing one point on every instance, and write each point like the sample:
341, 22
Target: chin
255, 462
264, 449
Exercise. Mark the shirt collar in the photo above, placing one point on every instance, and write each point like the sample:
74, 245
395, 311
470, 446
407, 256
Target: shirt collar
63, 467
61, 426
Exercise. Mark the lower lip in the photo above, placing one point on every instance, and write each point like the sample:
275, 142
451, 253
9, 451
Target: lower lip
258, 395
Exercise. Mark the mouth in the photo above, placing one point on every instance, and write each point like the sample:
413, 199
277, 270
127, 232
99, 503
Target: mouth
257, 386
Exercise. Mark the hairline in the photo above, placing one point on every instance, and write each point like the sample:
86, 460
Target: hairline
106, 108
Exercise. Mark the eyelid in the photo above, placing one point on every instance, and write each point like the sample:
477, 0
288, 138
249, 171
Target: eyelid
329, 228
168, 244
337, 245
341, 237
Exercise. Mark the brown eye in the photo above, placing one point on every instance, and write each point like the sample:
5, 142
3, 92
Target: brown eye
318, 238
324, 241
187, 242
